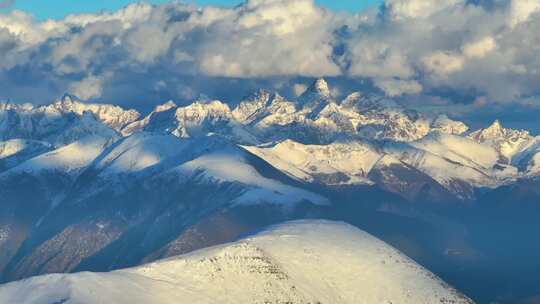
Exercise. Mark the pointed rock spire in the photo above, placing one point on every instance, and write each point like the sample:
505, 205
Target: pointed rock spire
315, 97
67, 103
68, 98
496, 125
494, 130
320, 87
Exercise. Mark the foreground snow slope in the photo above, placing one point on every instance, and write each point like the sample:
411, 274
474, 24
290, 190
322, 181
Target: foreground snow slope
295, 262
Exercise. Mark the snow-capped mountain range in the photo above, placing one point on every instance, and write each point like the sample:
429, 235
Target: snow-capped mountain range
97, 187
266, 124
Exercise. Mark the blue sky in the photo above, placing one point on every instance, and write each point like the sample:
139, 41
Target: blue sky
59, 8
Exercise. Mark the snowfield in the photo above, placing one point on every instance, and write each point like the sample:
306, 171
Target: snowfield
307, 162
295, 262
70, 158
229, 165
138, 152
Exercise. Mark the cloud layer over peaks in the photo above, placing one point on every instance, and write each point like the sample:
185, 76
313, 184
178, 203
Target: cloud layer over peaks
480, 49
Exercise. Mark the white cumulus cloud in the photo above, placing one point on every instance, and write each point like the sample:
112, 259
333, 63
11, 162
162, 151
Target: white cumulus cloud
482, 48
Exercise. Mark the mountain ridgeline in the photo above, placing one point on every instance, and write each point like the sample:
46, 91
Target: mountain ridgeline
97, 187
294, 262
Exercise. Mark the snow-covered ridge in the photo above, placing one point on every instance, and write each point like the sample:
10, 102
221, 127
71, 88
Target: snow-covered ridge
445, 125
13, 147
198, 119
62, 122
337, 163
111, 115
230, 165
295, 262
507, 142
314, 138
16, 151
452, 161
314, 117
72, 158
164, 158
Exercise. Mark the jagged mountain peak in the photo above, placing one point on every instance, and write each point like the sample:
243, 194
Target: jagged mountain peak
444, 124
351, 99
496, 124
253, 105
508, 142
113, 116
261, 97
496, 131
370, 103
265, 116
315, 97
258, 94
68, 97
205, 107
67, 103
165, 106
200, 118
320, 87
160, 112
63, 121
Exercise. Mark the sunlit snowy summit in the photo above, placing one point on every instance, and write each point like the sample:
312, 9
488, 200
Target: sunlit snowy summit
294, 262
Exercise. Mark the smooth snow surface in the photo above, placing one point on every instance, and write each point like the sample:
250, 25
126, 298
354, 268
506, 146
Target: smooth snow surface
311, 162
71, 158
229, 165
296, 262
459, 149
138, 152
15, 146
